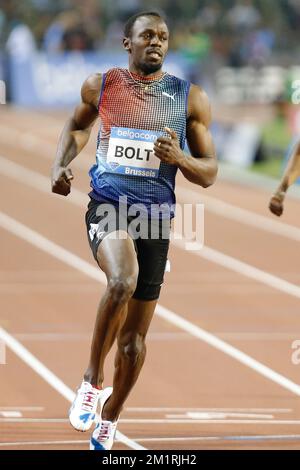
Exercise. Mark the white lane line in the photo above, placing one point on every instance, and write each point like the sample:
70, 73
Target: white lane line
270, 437
33, 143
228, 349
245, 269
37, 365
35, 420
136, 421
156, 336
244, 216
11, 414
22, 408
210, 421
41, 183
41, 337
258, 336
41, 242
49, 376
238, 410
41, 443
87, 336
218, 415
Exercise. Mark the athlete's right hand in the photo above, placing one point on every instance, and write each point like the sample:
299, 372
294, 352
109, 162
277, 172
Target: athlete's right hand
61, 180
276, 203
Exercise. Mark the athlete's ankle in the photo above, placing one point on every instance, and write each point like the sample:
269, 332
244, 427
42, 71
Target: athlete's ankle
110, 414
90, 378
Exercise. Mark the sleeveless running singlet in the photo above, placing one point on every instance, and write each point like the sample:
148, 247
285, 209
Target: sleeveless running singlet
134, 111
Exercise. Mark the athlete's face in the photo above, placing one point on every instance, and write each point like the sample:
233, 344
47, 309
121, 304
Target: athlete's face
148, 44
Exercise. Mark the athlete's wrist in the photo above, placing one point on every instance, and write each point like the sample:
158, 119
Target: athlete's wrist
59, 165
182, 161
279, 194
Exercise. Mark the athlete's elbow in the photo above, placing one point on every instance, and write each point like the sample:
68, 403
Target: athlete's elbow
210, 178
207, 183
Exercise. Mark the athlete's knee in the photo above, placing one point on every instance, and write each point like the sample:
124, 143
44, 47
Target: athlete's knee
132, 347
121, 288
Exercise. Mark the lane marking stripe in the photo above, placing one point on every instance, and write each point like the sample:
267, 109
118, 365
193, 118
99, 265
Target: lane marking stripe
159, 421
271, 437
50, 377
241, 410
244, 216
41, 242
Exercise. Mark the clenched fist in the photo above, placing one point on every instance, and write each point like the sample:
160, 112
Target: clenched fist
61, 180
276, 203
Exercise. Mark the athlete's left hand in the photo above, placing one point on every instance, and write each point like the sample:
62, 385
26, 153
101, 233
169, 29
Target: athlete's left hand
276, 203
167, 149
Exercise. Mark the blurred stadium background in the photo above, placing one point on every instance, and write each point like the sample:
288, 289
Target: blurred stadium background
243, 52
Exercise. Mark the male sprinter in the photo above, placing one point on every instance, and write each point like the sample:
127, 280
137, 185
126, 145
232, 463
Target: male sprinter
291, 174
146, 115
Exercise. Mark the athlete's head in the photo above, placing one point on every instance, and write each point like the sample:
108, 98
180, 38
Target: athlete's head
146, 38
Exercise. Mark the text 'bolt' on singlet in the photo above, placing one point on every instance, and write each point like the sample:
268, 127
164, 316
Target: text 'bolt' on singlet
132, 118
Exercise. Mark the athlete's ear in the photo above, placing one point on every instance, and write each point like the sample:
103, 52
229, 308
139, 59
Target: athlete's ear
126, 44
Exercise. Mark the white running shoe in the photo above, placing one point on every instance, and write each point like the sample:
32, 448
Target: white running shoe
104, 433
83, 410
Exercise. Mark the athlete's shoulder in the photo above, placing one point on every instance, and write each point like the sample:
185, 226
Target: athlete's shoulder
197, 92
179, 80
91, 87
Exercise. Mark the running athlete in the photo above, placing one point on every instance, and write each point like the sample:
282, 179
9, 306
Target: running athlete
145, 117
291, 174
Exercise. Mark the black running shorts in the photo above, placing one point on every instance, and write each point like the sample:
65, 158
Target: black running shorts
150, 238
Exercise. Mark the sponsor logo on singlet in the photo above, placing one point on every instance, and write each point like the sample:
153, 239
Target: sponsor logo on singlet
130, 152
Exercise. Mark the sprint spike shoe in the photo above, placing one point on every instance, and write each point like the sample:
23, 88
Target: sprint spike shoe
105, 431
83, 410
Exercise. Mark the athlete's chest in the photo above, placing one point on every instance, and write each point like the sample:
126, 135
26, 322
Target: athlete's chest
142, 108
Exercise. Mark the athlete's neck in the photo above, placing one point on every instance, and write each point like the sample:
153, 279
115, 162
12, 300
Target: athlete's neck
137, 71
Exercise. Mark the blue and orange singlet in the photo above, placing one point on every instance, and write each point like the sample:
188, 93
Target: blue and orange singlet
132, 117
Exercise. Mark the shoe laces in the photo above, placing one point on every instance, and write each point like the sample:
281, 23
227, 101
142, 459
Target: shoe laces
89, 398
106, 428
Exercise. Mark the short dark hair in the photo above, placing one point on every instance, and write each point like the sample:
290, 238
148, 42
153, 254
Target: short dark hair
131, 21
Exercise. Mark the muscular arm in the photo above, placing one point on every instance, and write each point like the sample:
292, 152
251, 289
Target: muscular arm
200, 168
75, 134
291, 174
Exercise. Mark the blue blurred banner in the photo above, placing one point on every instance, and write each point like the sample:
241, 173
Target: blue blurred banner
55, 80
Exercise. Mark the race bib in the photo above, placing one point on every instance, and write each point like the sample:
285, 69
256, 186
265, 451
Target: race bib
130, 152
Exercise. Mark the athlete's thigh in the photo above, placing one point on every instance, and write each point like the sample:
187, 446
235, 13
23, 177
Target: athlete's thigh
117, 256
152, 259
111, 245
